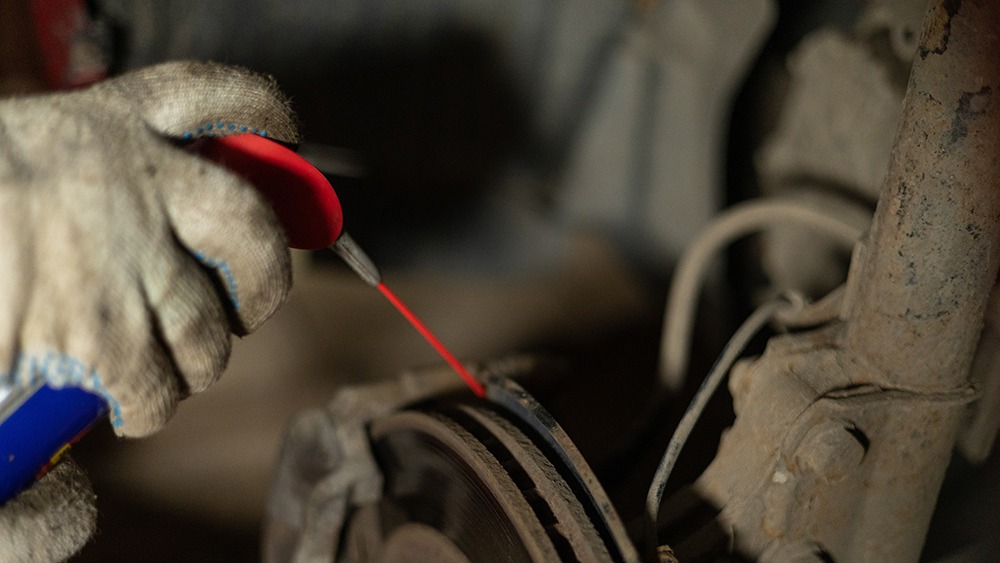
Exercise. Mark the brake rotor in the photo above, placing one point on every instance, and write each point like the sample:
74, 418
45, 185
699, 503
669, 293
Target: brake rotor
462, 483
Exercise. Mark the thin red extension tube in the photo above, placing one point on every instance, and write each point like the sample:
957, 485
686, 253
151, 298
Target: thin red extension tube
474, 385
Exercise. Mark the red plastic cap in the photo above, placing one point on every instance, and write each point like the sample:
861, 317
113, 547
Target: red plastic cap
299, 194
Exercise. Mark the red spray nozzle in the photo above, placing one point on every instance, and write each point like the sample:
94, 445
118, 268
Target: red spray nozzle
301, 197
310, 214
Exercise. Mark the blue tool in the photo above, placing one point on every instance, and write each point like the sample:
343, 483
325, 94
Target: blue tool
37, 425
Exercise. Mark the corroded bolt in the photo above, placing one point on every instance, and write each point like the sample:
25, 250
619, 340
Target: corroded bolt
832, 449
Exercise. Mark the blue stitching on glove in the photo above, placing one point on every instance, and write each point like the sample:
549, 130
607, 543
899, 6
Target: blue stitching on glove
60, 370
208, 130
227, 275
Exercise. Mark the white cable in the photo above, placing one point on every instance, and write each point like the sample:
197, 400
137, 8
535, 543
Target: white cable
716, 375
738, 221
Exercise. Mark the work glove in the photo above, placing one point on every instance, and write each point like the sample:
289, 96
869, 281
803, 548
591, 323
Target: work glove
127, 260
50, 521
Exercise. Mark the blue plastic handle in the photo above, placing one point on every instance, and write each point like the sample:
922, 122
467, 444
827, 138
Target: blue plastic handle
39, 430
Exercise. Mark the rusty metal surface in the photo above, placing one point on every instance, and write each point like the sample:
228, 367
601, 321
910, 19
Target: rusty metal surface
843, 434
440, 475
538, 479
933, 253
473, 484
979, 432
402, 461
514, 399
326, 466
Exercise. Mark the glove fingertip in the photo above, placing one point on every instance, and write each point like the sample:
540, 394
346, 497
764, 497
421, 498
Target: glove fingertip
252, 298
269, 293
188, 99
145, 421
145, 406
201, 367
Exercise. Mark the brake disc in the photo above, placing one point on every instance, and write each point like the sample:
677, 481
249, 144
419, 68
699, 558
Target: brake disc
462, 483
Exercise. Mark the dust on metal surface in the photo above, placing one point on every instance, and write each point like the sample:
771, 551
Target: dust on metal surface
843, 434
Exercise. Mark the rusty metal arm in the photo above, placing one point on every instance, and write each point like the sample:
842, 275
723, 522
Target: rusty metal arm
843, 434
934, 248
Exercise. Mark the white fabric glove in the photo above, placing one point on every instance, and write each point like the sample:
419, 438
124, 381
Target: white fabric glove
50, 521
126, 260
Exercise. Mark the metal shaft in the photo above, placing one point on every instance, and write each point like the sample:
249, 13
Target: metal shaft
843, 434
934, 247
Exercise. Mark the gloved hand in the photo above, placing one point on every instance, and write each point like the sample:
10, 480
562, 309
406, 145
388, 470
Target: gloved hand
126, 260
50, 521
